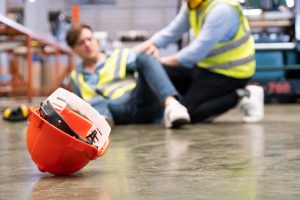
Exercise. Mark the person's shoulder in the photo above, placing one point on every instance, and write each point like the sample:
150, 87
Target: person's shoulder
184, 6
224, 9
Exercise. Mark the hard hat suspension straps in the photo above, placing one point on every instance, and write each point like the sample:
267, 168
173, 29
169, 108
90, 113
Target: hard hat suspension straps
48, 112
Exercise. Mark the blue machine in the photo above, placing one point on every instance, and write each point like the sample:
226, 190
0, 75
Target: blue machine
277, 39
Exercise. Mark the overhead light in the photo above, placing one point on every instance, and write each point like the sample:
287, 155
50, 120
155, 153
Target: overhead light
290, 3
31, 1
252, 12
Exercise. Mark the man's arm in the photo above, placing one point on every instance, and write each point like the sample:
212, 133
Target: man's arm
170, 61
167, 35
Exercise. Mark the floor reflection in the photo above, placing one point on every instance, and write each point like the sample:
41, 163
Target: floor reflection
68, 187
226, 160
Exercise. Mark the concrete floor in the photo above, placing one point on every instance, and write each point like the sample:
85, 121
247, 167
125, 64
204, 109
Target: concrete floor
223, 160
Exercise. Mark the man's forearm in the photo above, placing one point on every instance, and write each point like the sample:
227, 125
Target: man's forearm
170, 61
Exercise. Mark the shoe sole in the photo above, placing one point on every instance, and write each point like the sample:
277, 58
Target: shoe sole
178, 123
252, 120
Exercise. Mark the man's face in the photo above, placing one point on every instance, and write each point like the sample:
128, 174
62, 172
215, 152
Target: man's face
193, 4
86, 45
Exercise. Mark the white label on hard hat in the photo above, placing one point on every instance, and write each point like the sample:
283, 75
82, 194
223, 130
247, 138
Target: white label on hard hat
61, 98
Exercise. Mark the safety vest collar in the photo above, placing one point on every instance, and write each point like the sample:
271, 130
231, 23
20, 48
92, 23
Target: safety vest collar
194, 19
205, 4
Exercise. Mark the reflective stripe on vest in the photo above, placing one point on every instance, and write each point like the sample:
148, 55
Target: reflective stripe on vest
112, 82
234, 58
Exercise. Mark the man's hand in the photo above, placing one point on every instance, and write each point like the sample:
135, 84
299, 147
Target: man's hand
170, 61
148, 47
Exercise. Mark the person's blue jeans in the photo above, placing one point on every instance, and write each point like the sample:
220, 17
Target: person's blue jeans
146, 102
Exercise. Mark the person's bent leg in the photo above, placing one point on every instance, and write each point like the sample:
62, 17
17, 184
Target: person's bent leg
181, 77
207, 111
159, 83
211, 94
143, 106
155, 77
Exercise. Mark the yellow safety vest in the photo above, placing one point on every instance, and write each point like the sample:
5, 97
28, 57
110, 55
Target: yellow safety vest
112, 81
234, 58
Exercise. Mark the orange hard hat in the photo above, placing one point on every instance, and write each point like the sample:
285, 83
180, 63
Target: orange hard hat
54, 149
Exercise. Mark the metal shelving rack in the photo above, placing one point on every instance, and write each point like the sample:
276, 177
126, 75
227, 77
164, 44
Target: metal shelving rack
14, 35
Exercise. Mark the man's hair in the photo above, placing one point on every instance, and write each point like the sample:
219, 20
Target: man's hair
74, 32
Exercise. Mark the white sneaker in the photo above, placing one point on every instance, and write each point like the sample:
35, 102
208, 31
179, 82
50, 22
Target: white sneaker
253, 106
176, 115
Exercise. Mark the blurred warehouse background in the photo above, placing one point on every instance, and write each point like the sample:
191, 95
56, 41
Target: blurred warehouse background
34, 58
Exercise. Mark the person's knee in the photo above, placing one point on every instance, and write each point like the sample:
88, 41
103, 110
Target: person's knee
143, 60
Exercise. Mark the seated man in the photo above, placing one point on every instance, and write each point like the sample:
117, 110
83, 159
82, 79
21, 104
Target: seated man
105, 80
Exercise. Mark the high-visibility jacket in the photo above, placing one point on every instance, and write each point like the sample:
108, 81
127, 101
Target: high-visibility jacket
112, 80
234, 58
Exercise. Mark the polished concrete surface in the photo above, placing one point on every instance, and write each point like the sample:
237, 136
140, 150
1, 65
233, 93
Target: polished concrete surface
223, 160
